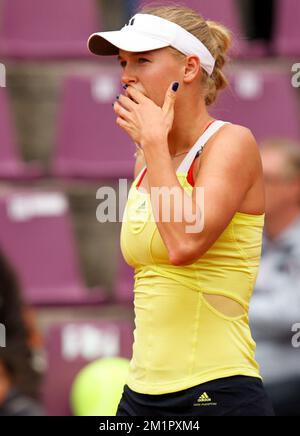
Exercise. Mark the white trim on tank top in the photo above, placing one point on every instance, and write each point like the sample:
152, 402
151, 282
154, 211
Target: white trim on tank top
198, 146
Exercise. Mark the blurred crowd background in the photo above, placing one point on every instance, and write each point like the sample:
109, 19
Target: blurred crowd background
65, 292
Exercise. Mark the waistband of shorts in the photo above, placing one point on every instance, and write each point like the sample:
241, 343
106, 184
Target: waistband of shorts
232, 381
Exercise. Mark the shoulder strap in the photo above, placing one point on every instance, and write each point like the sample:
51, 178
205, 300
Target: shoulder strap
199, 145
197, 148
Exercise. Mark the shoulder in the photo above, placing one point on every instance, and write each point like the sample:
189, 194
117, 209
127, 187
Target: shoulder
139, 162
233, 138
234, 146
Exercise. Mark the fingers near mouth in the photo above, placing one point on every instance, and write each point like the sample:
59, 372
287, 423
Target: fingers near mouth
132, 99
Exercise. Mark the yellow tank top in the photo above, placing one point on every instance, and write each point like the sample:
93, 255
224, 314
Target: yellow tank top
180, 340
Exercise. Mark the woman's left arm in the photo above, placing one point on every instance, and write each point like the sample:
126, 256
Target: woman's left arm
228, 170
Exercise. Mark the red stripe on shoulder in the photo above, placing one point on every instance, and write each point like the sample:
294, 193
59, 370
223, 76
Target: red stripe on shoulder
190, 177
141, 178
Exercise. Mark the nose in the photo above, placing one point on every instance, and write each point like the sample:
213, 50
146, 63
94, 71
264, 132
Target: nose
128, 77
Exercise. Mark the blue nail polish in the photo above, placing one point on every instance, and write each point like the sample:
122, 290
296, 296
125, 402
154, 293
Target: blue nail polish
175, 86
117, 97
125, 86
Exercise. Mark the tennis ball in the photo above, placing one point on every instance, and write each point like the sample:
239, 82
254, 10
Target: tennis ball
98, 387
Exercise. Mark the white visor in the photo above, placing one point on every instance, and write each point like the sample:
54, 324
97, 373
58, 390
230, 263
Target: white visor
146, 32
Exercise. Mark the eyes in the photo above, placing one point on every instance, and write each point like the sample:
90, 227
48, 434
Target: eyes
139, 61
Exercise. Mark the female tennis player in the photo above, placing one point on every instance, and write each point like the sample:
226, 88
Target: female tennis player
193, 353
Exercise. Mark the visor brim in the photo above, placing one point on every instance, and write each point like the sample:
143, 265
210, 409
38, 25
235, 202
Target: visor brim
109, 43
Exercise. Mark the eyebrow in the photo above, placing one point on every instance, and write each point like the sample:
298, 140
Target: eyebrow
137, 54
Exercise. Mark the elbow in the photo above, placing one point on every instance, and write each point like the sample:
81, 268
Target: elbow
184, 257
176, 260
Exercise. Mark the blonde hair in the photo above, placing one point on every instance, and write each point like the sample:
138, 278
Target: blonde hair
291, 151
216, 37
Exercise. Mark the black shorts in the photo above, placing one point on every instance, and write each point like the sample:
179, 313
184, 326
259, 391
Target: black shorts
230, 396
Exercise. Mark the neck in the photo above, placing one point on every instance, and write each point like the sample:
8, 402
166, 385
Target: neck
190, 121
276, 223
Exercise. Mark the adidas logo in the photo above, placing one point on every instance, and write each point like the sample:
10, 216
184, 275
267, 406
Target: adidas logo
204, 398
142, 206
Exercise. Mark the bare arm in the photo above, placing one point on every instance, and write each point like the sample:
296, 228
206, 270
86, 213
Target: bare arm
227, 172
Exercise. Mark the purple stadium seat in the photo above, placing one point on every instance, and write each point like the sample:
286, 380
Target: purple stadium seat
286, 28
125, 282
72, 345
11, 165
36, 236
47, 29
265, 102
90, 144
